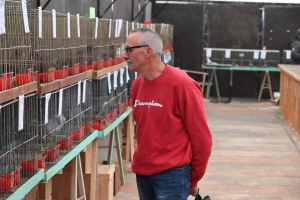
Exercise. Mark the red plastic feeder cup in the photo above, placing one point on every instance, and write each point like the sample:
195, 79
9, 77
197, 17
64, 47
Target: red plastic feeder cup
7, 181
17, 176
42, 162
52, 154
29, 166
61, 73
65, 143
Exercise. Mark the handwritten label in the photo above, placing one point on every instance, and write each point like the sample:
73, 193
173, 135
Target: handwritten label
96, 28
61, 91
109, 82
53, 23
47, 98
2, 17
68, 25
84, 91
78, 25
25, 16
40, 22
21, 113
79, 93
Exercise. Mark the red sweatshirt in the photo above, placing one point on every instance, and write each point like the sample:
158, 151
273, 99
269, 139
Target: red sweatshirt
172, 128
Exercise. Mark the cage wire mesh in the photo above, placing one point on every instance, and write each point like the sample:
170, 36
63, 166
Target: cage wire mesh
117, 41
102, 98
77, 46
48, 44
19, 153
93, 32
15, 48
86, 105
106, 49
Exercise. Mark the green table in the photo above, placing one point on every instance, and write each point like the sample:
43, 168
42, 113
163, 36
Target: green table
214, 68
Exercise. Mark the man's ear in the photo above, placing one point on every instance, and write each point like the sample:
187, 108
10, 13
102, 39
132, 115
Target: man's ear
149, 52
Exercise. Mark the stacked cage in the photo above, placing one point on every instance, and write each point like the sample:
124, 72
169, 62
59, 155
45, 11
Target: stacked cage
15, 47
118, 40
94, 46
65, 117
76, 44
47, 45
106, 50
162, 30
19, 156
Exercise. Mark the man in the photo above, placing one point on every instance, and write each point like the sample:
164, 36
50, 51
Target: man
173, 137
295, 54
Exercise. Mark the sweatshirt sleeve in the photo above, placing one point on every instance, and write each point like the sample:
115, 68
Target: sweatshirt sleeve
194, 117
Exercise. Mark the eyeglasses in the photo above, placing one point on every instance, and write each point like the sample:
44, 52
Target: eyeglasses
129, 49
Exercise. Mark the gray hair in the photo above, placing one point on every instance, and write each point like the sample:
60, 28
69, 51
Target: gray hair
151, 38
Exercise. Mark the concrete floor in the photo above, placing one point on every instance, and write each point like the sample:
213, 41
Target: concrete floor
255, 155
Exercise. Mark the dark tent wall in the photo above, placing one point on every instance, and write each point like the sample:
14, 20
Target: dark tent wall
233, 26
280, 25
187, 40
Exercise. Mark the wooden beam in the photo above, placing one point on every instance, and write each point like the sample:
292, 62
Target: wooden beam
73, 164
48, 190
81, 188
104, 71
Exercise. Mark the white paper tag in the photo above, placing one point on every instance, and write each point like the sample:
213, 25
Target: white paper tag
109, 82
78, 25
61, 92
25, 16
96, 28
120, 27
288, 54
54, 23
162, 28
263, 54
208, 52
116, 28
135, 75
21, 113
79, 93
132, 25
84, 91
256, 54
127, 74
47, 98
68, 25
227, 53
109, 28
40, 22
126, 28
121, 76
2, 17
115, 79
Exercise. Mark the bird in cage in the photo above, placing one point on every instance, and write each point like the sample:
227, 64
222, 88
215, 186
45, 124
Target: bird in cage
56, 123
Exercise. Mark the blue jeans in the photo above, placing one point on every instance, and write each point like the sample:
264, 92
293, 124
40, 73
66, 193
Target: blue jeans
167, 185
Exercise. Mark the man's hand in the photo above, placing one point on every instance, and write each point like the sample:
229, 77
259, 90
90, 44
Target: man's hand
193, 191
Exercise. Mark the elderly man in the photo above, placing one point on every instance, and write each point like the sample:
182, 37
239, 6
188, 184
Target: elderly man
173, 137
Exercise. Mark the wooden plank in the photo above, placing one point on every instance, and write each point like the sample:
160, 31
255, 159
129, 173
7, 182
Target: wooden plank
94, 167
48, 190
88, 159
292, 70
102, 72
81, 188
73, 177
50, 87
8, 95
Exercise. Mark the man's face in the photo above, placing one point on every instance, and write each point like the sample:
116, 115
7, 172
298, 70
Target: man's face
134, 51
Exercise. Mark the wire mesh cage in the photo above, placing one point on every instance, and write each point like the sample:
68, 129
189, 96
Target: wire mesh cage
269, 58
106, 49
18, 151
77, 46
48, 44
286, 57
93, 32
162, 30
118, 40
15, 47
102, 101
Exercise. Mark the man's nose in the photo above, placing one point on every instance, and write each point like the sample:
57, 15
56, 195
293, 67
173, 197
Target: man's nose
125, 55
